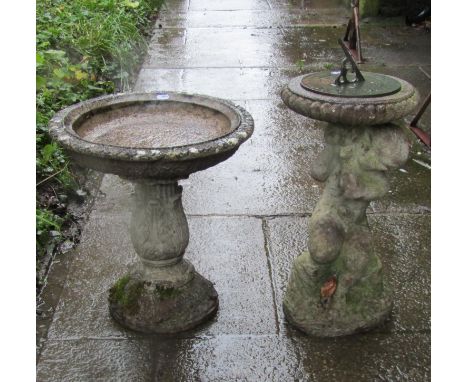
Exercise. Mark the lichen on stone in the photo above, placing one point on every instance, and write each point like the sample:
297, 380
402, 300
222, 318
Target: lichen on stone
340, 241
165, 293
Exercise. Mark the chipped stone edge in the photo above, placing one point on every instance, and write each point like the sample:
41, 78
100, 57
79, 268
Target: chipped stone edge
61, 128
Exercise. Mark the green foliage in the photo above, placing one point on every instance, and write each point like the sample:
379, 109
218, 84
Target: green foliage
48, 227
84, 48
300, 64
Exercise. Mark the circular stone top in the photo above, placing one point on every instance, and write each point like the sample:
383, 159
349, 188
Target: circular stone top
378, 107
159, 134
375, 85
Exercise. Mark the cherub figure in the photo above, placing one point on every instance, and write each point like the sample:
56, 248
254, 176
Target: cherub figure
336, 288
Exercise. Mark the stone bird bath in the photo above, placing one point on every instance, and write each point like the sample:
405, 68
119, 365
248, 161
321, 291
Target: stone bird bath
336, 287
154, 140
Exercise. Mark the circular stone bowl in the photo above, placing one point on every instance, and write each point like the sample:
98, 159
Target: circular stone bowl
163, 135
352, 111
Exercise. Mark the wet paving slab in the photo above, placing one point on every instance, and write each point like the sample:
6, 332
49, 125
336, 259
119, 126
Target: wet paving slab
250, 47
230, 252
278, 358
229, 5
252, 18
166, 37
95, 360
306, 4
233, 83
248, 215
229, 358
249, 260
176, 6
268, 178
366, 357
410, 186
284, 47
263, 177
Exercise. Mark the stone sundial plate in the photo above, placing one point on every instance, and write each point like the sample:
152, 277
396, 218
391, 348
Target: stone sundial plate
375, 85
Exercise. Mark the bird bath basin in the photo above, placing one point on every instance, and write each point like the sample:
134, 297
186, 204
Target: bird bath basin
154, 140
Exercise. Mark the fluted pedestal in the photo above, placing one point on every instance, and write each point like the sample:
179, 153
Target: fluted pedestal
163, 293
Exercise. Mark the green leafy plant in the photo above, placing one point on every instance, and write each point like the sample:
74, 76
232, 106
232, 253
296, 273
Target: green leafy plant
300, 64
84, 48
48, 227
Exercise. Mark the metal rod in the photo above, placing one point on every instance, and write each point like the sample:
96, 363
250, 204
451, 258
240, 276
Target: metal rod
422, 135
352, 36
358, 33
421, 111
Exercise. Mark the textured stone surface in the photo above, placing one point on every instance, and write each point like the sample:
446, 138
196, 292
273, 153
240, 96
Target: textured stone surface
101, 259
152, 307
248, 257
230, 251
350, 111
336, 287
231, 358
367, 357
123, 156
402, 241
95, 360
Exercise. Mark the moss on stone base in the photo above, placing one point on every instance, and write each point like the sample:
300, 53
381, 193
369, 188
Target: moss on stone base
152, 307
125, 293
165, 293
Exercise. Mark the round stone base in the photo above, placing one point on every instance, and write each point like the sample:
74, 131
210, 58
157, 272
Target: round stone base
318, 321
153, 308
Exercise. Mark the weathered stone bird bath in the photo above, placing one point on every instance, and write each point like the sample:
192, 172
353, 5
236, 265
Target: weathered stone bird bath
154, 140
336, 287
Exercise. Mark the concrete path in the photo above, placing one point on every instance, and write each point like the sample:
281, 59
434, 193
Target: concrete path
248, 215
